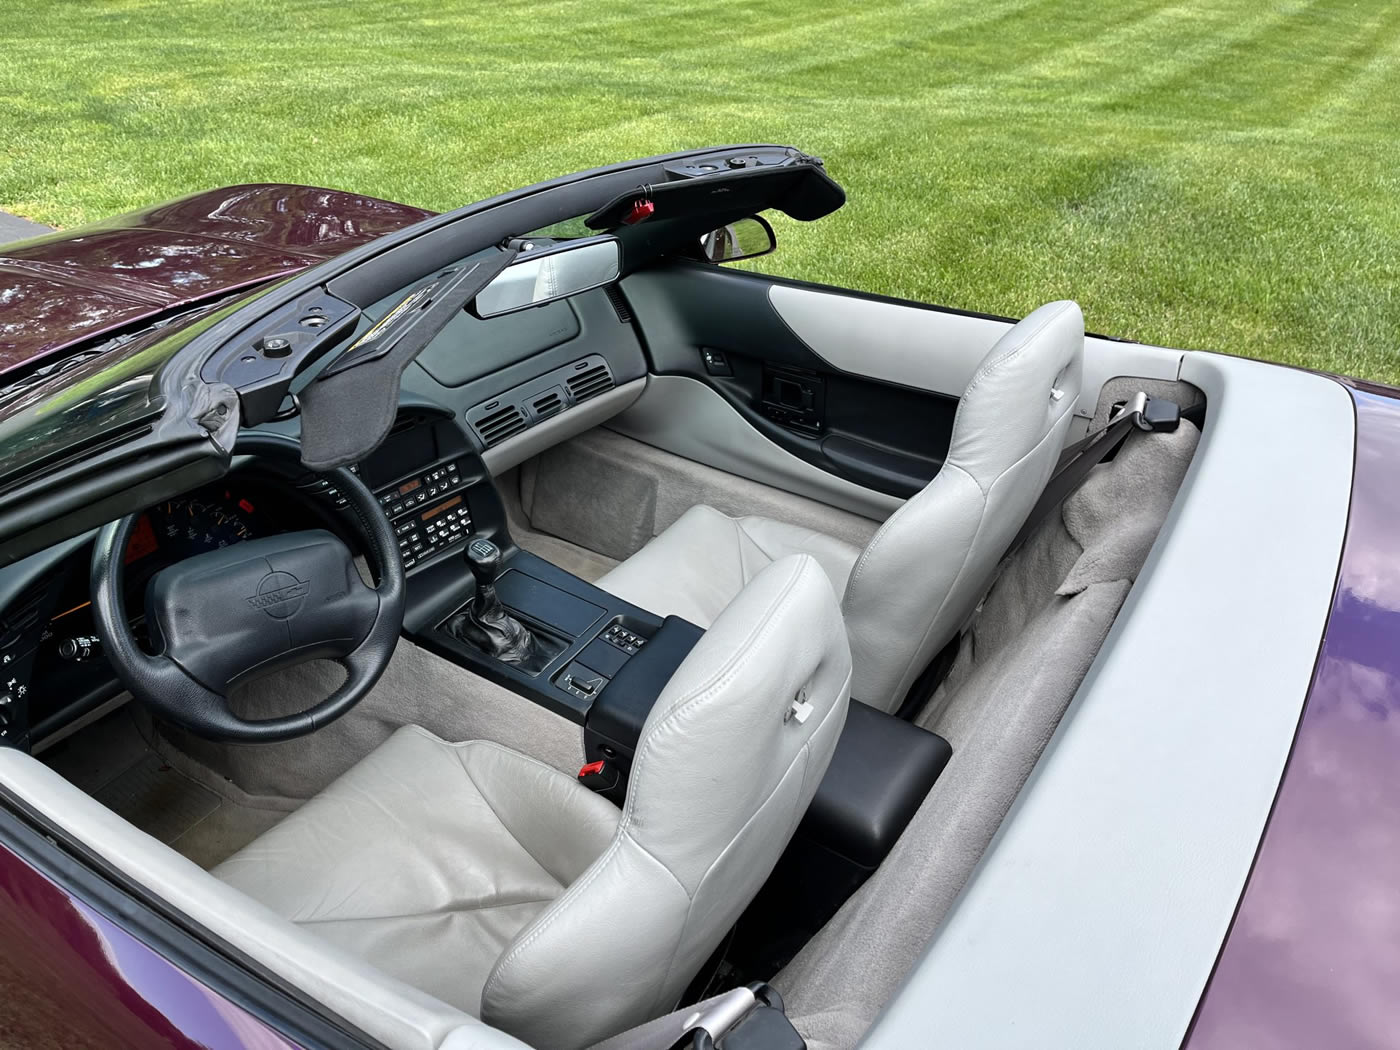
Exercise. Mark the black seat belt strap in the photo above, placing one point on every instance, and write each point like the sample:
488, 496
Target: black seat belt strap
1139, 413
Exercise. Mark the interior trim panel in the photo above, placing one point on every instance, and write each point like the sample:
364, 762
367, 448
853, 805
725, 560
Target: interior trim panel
570, 423
686, 417
905, 345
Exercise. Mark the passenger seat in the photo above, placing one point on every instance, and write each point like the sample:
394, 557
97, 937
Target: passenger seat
918, 579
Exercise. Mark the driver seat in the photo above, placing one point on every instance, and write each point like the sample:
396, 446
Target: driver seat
507, 889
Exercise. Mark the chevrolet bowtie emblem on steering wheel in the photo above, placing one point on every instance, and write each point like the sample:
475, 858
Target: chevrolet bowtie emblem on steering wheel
280, 595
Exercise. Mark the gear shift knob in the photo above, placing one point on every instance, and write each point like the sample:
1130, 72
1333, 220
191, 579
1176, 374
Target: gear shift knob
485, 622
484, 560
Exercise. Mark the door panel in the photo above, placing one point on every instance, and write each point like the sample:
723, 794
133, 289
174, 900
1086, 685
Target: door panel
689, 418
907, 345
881, 436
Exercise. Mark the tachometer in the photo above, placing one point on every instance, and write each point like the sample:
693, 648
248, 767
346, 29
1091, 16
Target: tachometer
182, 528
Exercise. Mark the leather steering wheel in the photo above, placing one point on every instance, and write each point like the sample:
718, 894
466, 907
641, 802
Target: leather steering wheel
233, 614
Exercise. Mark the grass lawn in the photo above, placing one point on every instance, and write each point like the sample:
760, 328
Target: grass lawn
1219, 174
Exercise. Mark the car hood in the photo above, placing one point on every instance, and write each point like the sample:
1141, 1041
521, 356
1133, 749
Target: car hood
64, 288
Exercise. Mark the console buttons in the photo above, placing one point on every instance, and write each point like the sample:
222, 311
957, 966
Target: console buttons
624, 639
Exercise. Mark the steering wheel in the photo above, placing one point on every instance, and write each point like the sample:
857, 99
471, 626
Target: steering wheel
230, 615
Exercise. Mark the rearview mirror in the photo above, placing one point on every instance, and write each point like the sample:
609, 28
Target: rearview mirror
542, 276
743, 239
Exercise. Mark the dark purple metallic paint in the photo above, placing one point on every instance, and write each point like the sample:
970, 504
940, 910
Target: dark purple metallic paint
1313, 957
64, 288
75, 979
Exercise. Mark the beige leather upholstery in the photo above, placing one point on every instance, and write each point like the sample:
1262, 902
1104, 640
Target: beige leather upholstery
506, 889
426, 858
924, 571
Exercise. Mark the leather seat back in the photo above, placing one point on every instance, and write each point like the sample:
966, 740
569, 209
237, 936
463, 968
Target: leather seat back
924, 571
724, 770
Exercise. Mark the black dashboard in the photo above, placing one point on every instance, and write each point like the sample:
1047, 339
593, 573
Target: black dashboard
427, 476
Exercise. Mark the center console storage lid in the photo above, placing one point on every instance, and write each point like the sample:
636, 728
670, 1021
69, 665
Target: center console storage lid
878, 777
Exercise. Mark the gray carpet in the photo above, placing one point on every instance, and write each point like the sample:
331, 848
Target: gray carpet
610, 494
418, 688
584, 563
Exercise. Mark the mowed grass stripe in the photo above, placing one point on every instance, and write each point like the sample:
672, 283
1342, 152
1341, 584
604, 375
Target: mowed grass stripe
1209, 173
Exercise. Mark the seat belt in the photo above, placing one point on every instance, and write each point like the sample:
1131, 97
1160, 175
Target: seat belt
1140, 412
748, 1018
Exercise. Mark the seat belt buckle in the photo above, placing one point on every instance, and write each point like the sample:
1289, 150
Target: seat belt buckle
598, 776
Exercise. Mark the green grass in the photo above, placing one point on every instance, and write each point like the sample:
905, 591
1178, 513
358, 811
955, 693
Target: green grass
1220, 174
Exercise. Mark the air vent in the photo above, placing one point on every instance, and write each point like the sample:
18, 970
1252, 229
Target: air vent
546, 405
495, 426
551, 394
590, 382
619, 304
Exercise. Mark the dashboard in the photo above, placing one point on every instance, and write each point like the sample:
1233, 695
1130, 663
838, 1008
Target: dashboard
428, 476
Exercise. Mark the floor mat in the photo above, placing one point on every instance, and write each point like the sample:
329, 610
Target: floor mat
185, 815
161, 802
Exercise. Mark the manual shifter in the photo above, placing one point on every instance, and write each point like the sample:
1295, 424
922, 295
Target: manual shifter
485, 622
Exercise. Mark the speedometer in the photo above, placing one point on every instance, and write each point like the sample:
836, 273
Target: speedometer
182, 528
195, 526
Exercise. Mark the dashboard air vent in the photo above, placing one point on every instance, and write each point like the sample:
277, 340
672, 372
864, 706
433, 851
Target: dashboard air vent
554, 393
547, 404
494, 427
590, 382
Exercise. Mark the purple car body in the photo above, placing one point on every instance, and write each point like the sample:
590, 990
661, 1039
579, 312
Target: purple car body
116, 275
1312, 958
75, 978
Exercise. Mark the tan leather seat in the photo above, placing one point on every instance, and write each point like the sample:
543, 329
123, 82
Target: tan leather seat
917, 580
503, 887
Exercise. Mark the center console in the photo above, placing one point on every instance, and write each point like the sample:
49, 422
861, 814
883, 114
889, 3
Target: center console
437, 493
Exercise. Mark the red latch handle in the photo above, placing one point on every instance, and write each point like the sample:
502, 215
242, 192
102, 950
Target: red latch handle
640, 210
